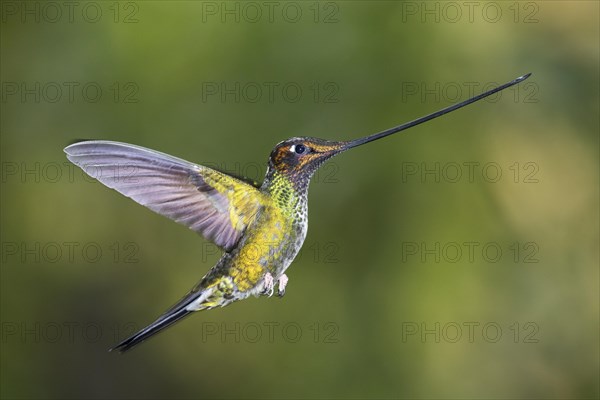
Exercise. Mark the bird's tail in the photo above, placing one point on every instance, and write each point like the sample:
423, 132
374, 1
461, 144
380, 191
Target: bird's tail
150, 330
174, 314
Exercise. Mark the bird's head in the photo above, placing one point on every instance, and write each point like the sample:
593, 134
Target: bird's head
298, 158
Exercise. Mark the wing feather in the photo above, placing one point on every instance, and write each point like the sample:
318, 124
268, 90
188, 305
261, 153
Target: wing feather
214, 204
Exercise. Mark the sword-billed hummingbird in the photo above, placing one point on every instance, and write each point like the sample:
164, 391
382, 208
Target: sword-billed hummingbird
260, 228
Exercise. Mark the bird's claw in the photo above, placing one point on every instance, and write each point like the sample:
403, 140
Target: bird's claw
283, 280
268, 285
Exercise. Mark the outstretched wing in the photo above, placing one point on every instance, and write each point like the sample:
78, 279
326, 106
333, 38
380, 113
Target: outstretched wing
214, 204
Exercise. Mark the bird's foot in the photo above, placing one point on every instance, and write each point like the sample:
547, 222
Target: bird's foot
268, 285
283, 280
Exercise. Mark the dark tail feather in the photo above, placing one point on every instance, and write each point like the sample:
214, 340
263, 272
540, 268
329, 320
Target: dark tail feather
163, 322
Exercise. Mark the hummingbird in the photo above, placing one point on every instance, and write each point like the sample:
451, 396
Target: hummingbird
259, 228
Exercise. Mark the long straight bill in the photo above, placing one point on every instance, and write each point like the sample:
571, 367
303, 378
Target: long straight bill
375, 136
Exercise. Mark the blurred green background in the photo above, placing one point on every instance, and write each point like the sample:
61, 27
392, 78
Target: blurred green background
417, 279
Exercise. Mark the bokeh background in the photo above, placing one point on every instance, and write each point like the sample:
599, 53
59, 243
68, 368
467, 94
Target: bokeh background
387, 300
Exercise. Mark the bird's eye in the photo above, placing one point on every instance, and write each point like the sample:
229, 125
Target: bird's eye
298, 148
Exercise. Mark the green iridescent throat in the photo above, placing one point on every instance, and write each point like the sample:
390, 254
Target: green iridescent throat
284, 192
